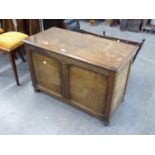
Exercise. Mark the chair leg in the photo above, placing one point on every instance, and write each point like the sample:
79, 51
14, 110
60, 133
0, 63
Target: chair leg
15, 57
21, 56
13, 64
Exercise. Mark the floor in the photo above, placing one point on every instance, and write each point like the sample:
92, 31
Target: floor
23, 111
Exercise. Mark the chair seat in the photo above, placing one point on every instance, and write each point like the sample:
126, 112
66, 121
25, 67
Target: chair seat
11, 40
1, 31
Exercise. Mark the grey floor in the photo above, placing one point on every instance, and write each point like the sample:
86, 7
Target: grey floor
23, 111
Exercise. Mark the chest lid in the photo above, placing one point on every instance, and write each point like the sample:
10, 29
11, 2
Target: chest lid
101, 52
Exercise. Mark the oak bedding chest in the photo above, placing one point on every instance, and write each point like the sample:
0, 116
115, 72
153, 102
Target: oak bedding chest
85, 71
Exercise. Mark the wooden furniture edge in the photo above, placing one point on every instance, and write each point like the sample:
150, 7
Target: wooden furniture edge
110, 95
57, 56
70, 102
134, 55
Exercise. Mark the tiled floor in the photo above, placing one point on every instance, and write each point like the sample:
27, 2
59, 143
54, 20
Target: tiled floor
23, 111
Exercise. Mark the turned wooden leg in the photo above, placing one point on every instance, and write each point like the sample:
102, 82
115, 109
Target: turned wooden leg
13, 64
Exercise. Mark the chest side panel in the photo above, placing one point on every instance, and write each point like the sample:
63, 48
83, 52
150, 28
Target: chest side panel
120, 87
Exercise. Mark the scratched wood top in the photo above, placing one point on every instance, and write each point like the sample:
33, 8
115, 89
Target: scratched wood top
101, 52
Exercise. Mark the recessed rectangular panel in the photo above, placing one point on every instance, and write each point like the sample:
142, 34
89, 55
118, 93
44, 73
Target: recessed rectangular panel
47, 72
88, 88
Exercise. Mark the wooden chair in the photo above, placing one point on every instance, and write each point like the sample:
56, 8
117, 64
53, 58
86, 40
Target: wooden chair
7, 25
11, 43
1, 30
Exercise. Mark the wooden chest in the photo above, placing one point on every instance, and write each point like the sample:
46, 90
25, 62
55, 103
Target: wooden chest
85, 71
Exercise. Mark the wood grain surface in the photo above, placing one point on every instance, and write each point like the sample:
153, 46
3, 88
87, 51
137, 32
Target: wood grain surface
85, 71
102, 52
88, 88
47, 72
120, 87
